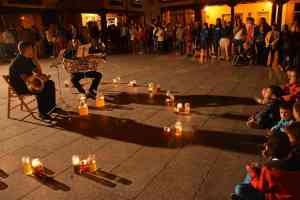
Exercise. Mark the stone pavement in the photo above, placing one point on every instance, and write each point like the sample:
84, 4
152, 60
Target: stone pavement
127, 136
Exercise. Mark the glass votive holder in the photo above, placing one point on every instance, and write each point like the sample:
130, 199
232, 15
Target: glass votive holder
187, 108
27, 168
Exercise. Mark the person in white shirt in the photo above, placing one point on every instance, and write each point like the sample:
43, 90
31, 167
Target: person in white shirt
160, 34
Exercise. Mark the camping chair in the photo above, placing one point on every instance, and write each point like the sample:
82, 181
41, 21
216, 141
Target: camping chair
23, 103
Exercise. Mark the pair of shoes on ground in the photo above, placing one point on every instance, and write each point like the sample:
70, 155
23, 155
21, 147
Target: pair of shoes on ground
48, 115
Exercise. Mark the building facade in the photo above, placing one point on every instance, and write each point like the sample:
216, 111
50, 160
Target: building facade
185, 11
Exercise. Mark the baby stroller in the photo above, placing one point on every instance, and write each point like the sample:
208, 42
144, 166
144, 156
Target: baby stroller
243, 53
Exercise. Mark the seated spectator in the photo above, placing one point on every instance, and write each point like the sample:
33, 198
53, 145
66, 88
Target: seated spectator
296, 111
292, 89
278, 179
286, 118
277, 148
269, 115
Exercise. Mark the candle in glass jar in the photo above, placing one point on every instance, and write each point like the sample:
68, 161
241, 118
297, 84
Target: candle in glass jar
76, 163
150, 87
83, 166
179, 107
100, 101
27, 168
83, 109
168, 101
187, 108
157, 88
37, 166
167, 130
178, 129
132, 83
93, 165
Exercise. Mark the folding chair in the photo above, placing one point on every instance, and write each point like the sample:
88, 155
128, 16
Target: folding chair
23, 103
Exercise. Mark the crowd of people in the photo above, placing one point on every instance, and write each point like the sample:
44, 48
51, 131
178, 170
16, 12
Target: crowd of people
276, 176
242, 42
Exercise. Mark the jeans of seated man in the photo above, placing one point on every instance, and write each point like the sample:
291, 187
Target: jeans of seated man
245, 191
76, 77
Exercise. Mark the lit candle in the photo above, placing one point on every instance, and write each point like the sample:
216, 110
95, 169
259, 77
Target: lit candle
178, 129
187, 108
179, 107
157, 88
27, 168
37, 166
168, 101
167, 130
92, 163
150, 87
168, 93
100, 101
83, 166
172, 98
132, 83
83, 109
76, 163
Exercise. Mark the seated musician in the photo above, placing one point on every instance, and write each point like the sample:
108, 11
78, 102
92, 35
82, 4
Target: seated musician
76, 76
22, 71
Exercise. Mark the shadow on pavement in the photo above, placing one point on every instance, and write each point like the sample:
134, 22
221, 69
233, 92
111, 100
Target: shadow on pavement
52, 183
195, 100
97, 179
3, 186
235, 142
3, 174
114, 128
127, 130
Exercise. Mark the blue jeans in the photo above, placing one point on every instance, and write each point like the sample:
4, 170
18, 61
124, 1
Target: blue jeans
246, 192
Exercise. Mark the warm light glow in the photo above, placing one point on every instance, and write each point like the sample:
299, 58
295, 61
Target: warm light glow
206, 8
36, 163
269, 3
75, 160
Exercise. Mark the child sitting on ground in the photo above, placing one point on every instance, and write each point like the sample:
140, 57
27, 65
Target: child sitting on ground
277, 148
267, 118
286, 118
292, 89
296, 111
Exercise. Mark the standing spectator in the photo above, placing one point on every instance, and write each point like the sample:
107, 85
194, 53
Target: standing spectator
160, 34
204, 43
179, 39
216, 37
272, 45
188, 40
9, 42
169, 37
226, 35
124, 37
51, 39
295, 44
284, 47
260, 34
196, 35
132, 34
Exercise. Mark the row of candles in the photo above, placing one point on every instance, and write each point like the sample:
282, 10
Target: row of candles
36, 167
83, 107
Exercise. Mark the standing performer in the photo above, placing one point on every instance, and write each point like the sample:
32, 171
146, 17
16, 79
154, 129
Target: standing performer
26, 77
78, 71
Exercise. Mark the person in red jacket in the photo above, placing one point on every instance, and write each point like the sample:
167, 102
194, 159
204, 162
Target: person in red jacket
277, 147
278, 179
292, 89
